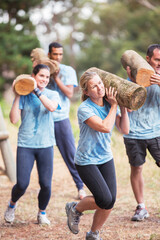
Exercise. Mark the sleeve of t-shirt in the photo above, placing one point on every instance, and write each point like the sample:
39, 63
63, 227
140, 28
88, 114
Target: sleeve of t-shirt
21, 102
85, 112
55, 97
118, 111
71, 77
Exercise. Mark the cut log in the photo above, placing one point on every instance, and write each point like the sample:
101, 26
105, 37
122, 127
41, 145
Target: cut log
38, 55
24, 84
141, 70
129, 94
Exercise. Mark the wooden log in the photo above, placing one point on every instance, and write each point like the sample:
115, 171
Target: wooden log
4, 135
24, 84
38, 55
129, 94
141, 70
7, 154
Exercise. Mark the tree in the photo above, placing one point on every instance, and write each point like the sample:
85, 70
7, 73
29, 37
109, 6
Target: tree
118, 26
17, 39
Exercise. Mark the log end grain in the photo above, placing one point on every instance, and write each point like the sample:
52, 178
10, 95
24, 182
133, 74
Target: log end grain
138, 98
24, 84
143, 77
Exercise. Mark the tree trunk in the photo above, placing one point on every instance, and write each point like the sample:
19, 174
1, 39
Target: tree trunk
6, 151
141, 70
129, 94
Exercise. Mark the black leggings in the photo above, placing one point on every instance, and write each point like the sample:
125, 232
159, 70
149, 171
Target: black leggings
101, 181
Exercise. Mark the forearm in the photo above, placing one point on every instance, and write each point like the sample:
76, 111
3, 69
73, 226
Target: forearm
67, 90
50, 105
124, 121
15, 111
109, 121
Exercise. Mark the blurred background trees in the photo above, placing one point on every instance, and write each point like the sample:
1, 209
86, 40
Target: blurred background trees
94, 33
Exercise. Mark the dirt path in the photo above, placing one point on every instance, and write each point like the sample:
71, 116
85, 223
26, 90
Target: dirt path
118, 226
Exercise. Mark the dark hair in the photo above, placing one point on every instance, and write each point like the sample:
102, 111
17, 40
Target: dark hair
151, 49
38, 67
54, 45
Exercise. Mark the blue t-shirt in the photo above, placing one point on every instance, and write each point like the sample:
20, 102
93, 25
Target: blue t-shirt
145, 122
37, 123
68, 76
93, 146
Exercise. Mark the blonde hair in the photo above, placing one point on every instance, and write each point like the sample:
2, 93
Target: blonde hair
84, 83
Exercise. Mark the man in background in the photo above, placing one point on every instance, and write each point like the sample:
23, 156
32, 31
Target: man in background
144, 132
64, 80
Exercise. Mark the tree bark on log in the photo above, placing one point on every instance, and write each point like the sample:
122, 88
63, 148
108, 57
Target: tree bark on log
141, 70
129, 94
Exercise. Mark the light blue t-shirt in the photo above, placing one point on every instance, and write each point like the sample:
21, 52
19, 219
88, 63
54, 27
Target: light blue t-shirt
37, 124
93, 146
68, 76
145, 122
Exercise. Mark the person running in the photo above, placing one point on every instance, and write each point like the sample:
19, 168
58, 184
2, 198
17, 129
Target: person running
97, 115
35, 141
144, 133
64, 82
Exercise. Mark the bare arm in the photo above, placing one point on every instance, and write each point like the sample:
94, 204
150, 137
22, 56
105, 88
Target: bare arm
15, 112
107, 124
66, 89
122, 122
51, 105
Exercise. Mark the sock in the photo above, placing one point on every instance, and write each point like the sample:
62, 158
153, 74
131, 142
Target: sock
142, 205
11, 205
43, 212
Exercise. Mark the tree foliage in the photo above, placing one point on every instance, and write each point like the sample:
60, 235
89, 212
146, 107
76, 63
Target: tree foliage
17, 39
94, 33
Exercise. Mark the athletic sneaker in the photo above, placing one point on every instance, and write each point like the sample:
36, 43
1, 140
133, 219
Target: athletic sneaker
93, 236
140, 214
9, 214
81, 194
42, 219
73, 217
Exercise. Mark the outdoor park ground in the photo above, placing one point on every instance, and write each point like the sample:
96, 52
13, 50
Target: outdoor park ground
118, 226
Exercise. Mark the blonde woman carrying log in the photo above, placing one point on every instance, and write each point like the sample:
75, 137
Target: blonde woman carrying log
144, 132
97, 116
35, 141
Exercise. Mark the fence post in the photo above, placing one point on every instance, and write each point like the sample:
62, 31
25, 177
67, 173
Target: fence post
6, 150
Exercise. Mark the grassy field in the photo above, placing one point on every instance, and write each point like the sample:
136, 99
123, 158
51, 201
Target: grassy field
118, 226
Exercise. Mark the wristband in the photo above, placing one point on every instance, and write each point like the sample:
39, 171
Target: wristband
37, 92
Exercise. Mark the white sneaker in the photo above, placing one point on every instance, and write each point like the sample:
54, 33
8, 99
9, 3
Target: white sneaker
81, 194
140, 214
9, 214
42, 219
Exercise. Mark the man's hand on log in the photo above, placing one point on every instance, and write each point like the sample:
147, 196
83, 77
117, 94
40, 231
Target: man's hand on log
155, 79
111, 96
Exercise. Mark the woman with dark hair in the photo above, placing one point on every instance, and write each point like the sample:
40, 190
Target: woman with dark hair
35, 141
97, 115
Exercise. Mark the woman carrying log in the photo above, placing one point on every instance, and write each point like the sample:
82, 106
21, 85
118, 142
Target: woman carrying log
97, 115
35, 141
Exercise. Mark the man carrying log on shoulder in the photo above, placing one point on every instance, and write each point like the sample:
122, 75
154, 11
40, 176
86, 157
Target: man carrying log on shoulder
144, 132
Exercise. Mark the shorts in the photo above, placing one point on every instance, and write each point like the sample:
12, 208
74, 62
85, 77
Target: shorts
136, 150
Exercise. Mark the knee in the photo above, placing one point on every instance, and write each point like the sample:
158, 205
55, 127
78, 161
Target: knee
136, 170
45, 187
106, 202
22, 187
